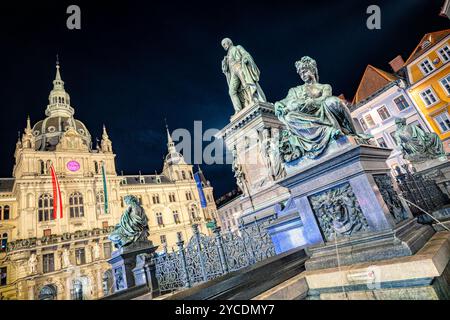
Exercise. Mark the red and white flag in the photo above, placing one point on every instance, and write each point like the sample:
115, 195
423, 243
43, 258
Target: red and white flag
57, 200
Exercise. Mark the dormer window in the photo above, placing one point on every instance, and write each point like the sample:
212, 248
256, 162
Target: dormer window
142, 180
426, 44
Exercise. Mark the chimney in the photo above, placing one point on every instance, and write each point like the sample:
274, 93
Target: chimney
397, 63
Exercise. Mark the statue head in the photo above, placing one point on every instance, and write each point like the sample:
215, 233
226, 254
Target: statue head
130, 200
307, 69
226, 43
400, 122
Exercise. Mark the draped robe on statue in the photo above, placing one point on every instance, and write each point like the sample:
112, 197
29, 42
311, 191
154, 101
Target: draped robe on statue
313, 118
133, 225
417, 144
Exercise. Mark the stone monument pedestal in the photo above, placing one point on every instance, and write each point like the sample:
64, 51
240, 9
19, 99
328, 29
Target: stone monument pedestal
123, 261
346, 200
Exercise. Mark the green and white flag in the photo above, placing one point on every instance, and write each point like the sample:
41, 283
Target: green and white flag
105, 188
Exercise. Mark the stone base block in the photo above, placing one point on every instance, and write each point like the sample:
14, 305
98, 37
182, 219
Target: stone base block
123, 261
405, 240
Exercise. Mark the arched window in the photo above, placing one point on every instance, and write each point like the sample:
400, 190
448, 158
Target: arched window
159, 219
155, 198
190, 175
76, 206
6, 211
183, 175
100, 202
188, 195
96, 167
194, 213
172, 197
176, 217
3, 242
48, 292
77, 290
45, 207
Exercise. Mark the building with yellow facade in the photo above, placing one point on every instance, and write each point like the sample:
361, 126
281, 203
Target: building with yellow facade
42, 257
428, 72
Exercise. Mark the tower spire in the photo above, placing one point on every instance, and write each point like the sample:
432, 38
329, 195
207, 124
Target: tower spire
170, 144
59, 99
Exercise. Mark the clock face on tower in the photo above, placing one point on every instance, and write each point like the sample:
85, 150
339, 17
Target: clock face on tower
73, 166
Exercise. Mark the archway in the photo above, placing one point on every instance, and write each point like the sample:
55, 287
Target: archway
48, 292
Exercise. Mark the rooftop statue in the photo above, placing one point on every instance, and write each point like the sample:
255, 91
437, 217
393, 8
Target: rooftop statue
312, 115
416, 144
242, 76
133, 225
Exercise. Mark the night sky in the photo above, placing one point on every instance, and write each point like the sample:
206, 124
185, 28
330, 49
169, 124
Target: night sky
134, 63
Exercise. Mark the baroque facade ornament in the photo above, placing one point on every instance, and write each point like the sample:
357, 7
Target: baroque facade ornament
271, 149
338, 212
242, 76
416, 144
239, 173
312, 115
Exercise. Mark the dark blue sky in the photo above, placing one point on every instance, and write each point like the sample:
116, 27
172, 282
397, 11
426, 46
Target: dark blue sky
134, 63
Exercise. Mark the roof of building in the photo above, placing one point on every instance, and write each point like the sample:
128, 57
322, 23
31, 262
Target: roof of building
428, 40
372, 81
146, 179
6, 184
228, 197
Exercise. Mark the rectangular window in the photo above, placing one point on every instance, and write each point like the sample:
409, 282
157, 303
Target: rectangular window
428, 96
393, 137
48, 263
401, 103
105, 224
180, 236
369, 120
443, 121
163, 239
80, 256
444, 52
384, 113
47, 232
382, 143
363, 124
426, 66
107, 250
445, 83
3, 275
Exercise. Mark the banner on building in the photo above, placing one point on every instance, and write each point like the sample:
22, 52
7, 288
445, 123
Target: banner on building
57, 199
198, 181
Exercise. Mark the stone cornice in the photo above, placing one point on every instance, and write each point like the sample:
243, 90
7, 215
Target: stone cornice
245, 116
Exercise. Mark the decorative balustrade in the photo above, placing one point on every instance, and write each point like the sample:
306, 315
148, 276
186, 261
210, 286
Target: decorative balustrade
54, 239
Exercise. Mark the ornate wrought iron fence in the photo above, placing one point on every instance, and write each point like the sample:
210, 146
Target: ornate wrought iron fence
421, 191
207, 257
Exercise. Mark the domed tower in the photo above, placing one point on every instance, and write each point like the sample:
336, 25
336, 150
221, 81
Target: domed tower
60, 118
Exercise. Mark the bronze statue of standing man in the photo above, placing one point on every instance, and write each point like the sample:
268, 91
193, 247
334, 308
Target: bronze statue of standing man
242, 76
